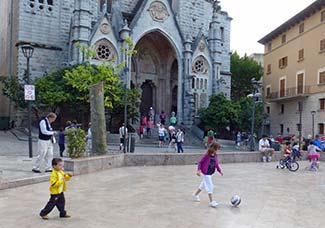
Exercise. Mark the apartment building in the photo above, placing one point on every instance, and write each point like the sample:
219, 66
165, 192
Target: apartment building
294, 80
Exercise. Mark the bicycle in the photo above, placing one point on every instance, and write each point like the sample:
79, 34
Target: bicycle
289, 163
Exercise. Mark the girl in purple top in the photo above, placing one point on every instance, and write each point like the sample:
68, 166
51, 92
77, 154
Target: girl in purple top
207, 167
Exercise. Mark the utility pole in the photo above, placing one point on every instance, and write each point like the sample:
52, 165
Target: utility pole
300, 107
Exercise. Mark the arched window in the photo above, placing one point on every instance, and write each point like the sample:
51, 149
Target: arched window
193, 83
206, 84
197, 83
201, 83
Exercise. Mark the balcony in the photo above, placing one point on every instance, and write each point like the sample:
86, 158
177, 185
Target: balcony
289, 93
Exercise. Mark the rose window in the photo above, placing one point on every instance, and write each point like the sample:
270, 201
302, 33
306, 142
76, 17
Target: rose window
103, 52
199, 66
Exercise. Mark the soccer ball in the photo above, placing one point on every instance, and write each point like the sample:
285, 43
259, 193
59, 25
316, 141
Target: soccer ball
235, 201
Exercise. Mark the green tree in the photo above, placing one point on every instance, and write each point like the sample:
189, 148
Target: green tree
13, 88
53, 91
245, 114
100, 84
220, 114
243, 69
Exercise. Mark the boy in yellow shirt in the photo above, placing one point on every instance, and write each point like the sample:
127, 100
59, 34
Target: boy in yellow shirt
57, 189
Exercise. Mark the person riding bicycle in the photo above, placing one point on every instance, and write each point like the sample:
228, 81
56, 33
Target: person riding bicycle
287, 150
296, 151
264, 148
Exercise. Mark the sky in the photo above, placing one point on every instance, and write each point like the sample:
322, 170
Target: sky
253, 19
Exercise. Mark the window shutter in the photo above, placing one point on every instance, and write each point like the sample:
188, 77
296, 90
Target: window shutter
322, 77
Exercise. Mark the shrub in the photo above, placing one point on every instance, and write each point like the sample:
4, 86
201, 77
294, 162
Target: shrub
76, 142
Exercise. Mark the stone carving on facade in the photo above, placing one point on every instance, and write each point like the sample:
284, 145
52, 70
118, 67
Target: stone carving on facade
202, 46
158, 11
104, 28
200, 66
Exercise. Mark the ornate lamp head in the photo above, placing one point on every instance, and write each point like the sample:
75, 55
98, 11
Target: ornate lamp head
27, 50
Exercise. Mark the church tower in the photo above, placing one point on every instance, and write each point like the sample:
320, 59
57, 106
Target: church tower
81, 28
219, 44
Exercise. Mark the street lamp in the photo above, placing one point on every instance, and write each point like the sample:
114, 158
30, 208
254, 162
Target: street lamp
28, 51
125, 72
254, 95
313, 113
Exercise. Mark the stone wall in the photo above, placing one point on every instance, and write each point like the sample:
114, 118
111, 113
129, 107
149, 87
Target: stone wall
193, 15
128, 5
95, 164
49, 28
4, 57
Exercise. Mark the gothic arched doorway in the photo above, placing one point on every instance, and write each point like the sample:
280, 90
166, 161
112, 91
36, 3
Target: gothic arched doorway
147, 97
156, 66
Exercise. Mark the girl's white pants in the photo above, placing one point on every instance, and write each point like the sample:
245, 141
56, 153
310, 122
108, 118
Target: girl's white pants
207, 184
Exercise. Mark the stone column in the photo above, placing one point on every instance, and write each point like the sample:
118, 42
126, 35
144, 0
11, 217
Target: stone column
188, 103
81, 24
214, 44
98, 121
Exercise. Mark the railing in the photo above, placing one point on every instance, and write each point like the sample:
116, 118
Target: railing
289, 93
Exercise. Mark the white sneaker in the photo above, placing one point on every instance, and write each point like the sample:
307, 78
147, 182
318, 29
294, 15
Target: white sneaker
269, 159
264, 159
213, 204
196, 198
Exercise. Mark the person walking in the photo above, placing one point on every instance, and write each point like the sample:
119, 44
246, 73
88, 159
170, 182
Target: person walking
162, 118
172, 140
123, 131
238, 139
173, 119
149, 127
58, 186
61, 141
151, 114
141, 131
45, 143
210, 136
144, 121
88, 140
161, 135
180, 141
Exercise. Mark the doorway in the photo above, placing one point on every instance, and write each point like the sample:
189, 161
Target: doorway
147, 97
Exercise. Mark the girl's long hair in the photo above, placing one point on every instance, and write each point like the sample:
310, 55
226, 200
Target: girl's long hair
213, 148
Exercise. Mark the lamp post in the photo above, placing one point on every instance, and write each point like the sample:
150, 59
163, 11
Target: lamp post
124, 35
300, 109
125, 72
28, 51
254, 95
313, 113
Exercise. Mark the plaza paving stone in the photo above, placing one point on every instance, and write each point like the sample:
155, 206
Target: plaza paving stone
160, 197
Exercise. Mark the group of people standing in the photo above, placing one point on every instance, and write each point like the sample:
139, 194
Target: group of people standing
171, 135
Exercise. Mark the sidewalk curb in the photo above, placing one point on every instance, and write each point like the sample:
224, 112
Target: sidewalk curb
23, 182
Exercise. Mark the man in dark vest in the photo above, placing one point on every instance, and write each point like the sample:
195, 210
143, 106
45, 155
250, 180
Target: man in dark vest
45, 143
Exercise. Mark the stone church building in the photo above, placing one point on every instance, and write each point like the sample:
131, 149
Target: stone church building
183, 46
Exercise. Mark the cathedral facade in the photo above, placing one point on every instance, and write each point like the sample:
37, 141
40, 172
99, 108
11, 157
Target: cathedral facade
183, 46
